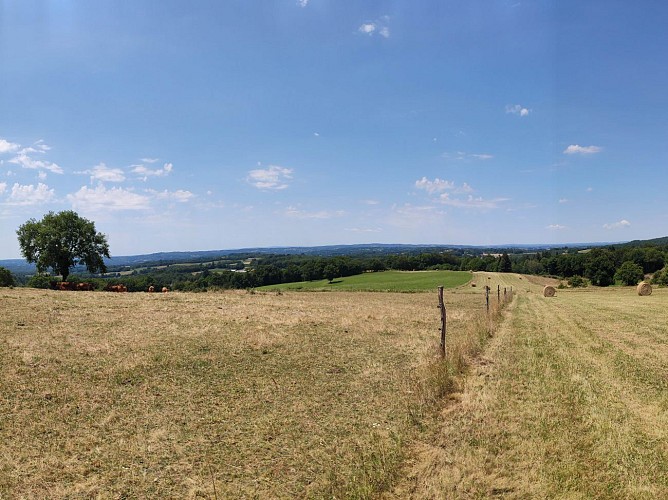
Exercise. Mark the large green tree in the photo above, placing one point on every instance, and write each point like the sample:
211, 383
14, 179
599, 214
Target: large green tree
61, 241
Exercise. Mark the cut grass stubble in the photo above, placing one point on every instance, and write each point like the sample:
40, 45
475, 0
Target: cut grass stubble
251, 394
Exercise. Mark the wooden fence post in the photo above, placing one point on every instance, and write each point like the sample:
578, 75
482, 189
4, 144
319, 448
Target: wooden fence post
441, 306
498, 293
487, 297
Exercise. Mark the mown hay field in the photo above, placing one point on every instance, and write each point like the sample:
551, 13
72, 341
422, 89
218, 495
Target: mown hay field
569, 400
228, 395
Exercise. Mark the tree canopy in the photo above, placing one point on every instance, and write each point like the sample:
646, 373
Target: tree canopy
61, 241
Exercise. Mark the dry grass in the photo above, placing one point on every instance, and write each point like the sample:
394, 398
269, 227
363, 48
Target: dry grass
568, 401
228, 395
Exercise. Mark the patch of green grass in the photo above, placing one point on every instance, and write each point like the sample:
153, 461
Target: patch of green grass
395, 281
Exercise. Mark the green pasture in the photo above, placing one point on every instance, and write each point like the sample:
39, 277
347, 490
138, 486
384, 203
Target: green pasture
395, 281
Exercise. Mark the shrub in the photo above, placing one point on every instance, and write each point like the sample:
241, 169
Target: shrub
6, 277
629, 273
40, 281
577, 282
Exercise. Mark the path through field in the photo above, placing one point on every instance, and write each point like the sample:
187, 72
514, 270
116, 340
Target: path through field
569, 399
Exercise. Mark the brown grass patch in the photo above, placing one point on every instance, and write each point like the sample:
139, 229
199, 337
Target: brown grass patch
253, 395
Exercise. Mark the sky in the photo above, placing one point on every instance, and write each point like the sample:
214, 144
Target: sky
183, 126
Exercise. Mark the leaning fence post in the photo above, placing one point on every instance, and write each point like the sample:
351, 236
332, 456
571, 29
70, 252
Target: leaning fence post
441, 306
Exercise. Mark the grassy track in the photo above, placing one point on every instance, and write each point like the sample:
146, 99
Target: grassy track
239, 395
569, 401
396, 281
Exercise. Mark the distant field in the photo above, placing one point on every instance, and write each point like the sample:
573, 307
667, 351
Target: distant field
399, 281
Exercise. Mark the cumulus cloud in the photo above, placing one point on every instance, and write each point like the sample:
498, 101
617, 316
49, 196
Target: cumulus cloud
270, 178
8, 147
26, 161
367, 28
617, 225
100, 198
145, 172
576, 149
379, 27
102, 173
556, 227
180, 195
30, 194
517, 109
435, 186
3, 187
302, 3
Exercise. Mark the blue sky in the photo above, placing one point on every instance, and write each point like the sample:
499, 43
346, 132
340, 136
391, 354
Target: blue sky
226, 124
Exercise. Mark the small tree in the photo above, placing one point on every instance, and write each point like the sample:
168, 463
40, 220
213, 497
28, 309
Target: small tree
505, 266
6, 277
330, 272
61, 241
629, 273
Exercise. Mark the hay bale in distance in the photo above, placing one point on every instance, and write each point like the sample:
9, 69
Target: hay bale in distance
549, 291
644, 289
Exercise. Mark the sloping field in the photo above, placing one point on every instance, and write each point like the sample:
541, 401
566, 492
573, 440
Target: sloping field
228, 395
570, 400
395, 281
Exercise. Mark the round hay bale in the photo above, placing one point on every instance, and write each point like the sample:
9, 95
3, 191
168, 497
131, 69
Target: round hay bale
644, 289
549, 291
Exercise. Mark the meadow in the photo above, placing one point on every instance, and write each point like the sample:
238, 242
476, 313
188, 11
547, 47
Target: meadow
220, 395
334, 395
391, 281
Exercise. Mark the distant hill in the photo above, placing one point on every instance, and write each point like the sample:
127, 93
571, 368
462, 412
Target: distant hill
21, 267
653, 242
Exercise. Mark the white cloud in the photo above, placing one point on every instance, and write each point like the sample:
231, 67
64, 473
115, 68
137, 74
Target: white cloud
441, 185
273, 177
590, 189
302, 3
556, 227
103, 173
8, 147
302, 214
101, 198
563, 200
463, 156
617, 225
30, 195
379, 26
367, 28
26, 161
435, 186
145, 172
180, 195
42, 175
517, 109
149, 160
471, 202
316, 134
3, 187
574, 149
371, 202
